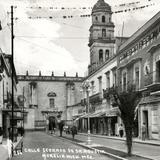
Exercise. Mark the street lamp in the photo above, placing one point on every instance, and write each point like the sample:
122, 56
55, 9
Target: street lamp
86, 88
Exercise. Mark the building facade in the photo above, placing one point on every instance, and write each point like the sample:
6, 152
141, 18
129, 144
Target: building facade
6, 70
139, 64
102, 72
120, 61
48, 96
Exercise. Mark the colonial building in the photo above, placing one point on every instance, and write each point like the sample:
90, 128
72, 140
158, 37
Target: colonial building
6, 69
48, 96
139, 64
102, 71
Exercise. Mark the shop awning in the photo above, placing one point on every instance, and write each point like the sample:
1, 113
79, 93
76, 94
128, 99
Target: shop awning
17, 118
85, 115
98, 114
112, 113
93, 115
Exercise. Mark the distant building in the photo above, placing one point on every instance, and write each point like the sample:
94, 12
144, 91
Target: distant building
48, 96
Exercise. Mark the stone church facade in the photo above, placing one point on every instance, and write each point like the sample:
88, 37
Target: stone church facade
47, 96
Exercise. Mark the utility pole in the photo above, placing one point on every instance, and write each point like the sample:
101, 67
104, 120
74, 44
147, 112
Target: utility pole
12, 52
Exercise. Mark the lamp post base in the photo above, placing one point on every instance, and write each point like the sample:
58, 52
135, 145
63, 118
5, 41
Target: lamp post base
88, 138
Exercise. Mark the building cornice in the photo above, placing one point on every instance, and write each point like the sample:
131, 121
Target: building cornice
102, 66
140, 32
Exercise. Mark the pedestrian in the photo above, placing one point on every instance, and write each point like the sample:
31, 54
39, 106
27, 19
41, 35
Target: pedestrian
61, 124
73, 130
143, 132
121, 130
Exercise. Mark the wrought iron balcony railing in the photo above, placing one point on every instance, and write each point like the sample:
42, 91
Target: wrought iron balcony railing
152, 78
96, 98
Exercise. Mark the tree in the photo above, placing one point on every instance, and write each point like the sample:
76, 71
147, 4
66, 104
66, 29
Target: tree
127, 102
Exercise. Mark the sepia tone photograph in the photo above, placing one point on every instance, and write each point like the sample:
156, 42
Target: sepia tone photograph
79, 80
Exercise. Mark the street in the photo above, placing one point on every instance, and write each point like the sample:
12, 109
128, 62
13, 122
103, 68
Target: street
145, 150
41, 146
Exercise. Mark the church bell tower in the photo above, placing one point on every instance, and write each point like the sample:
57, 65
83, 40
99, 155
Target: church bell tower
101, 40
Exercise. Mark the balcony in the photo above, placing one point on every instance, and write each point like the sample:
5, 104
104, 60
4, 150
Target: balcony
8, 98
106, 93
152, 82
84, 102
96, 98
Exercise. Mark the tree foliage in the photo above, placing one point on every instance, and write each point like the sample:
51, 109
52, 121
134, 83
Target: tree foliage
127, 102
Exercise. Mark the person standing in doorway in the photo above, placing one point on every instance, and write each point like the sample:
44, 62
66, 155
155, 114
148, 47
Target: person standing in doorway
121, 130
144, 130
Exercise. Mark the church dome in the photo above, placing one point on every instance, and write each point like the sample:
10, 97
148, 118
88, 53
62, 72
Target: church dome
101, 6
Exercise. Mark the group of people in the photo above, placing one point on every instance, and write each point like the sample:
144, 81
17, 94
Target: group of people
73, 129
51, 126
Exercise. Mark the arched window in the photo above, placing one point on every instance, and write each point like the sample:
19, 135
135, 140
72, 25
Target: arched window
103, 19
103, 32
101, 55
96, 18
107, 54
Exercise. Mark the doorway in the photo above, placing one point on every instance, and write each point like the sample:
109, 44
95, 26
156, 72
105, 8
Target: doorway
145, 120
52, 123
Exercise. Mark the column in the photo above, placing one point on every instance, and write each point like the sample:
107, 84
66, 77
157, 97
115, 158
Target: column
109, 126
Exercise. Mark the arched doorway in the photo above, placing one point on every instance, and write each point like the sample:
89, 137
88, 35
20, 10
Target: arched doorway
52, 124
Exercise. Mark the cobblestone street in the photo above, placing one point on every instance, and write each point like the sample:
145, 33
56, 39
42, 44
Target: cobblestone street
40, 146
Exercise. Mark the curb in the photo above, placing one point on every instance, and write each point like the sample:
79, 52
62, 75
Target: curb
134, 141
105, 153
120, 140
85, 146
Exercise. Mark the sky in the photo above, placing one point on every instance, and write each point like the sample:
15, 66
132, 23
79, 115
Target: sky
61, 45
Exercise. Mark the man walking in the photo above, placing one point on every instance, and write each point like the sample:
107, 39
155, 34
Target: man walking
61, 124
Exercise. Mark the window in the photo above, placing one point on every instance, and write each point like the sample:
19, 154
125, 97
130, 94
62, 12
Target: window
137, 77
108, 79
114, 78
92, 87
107, 54
100, 84
51, 101
101, 55
103, 19
124, 81
103, 32
158, 71
96, 18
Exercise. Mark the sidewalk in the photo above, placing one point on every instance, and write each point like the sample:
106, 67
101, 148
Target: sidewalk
147, 149
135, 140
4, 148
